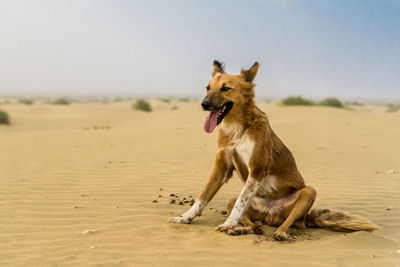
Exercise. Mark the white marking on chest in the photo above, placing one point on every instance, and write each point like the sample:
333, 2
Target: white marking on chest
245, 149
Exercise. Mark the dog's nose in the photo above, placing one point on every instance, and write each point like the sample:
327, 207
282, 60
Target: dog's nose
206, 105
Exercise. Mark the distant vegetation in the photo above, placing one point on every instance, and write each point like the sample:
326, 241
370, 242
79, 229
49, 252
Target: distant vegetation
393, 108
26, 101
166, 100
4, 118
354, 103
184, 99
142, 104
331, 102
297, 101
174, 108
60, 101
300, 101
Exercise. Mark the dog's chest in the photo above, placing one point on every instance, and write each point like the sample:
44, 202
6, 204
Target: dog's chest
244, 151
244, 148
240, 154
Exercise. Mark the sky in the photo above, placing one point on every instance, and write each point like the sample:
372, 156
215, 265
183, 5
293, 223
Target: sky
344, 48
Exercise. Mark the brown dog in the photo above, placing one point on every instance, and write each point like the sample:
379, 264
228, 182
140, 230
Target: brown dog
274, 191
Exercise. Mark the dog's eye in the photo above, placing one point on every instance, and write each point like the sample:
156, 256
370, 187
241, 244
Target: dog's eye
208, 87
224, 89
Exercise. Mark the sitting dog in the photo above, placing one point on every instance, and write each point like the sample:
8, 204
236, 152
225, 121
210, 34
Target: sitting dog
274, 191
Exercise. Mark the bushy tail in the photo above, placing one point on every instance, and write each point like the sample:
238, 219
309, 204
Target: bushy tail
338, 221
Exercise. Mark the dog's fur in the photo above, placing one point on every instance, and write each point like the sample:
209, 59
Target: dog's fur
274, 191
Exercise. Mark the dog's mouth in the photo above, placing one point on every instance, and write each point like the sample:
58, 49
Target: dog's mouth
215, 117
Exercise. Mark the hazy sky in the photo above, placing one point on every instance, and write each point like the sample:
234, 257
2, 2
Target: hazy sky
348, 49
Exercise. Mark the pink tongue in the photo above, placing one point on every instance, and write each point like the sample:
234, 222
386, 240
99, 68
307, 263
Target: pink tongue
211, 121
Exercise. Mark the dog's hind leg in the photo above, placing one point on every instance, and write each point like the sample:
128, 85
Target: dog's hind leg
222, 171
295, 212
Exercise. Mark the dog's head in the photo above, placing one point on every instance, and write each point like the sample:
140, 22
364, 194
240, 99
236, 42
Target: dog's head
227, 94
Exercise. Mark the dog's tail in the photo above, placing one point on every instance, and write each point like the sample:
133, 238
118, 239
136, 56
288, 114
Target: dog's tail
338, 221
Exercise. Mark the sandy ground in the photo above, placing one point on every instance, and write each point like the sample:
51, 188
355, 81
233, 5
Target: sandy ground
59, 177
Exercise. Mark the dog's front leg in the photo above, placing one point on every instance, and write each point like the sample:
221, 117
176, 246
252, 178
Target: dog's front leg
242, 203
221, 173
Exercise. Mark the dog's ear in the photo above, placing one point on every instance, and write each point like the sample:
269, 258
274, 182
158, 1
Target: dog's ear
250, 74
218, 67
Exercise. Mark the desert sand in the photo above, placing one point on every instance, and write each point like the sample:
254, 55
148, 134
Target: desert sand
77, 185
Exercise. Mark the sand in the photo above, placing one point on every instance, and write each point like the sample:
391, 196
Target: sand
71, 194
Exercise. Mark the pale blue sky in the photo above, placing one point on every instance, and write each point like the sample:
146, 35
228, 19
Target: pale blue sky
348, 49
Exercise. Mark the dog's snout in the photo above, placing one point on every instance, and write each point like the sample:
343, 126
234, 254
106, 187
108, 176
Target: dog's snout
206, 105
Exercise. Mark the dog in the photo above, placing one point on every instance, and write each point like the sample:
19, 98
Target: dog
274, 191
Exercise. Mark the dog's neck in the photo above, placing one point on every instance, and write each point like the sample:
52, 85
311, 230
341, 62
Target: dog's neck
233, 130
235, 126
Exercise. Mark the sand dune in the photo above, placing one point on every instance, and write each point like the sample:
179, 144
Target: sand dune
59, 176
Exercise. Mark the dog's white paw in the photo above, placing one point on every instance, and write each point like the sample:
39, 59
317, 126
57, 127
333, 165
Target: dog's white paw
226, 226
179, 219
